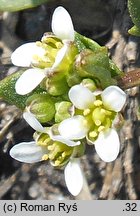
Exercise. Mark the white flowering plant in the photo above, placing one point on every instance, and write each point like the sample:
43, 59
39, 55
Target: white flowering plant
70, 93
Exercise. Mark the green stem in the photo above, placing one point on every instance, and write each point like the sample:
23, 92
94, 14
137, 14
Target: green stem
130, 79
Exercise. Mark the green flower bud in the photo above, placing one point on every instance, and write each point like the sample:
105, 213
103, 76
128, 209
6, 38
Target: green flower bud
63, 110
95, 65
56, 87
89, 83
73, 77
42, 106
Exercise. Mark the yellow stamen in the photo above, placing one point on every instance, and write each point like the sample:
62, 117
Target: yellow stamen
98, 103
101, 128
51, 147
64, 154
93, 134
45, 157
57, 163
86, 112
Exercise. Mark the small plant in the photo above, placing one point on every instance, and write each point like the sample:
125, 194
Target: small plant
69, 92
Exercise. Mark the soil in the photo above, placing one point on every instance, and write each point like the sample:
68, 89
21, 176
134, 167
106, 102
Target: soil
107, 22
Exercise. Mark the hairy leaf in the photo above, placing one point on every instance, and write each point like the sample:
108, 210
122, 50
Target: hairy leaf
17, 5
8, 93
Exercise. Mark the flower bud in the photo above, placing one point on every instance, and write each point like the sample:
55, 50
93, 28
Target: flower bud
42, 106
64, 110
57, 86
89, 83
95, 65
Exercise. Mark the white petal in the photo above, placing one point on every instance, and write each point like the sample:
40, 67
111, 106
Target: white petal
22, 56
60, 55
113, 98
81, 97
107, 145
74, 177
62, 25
29, 80
27, 152
73, 128
33, 122
64, 141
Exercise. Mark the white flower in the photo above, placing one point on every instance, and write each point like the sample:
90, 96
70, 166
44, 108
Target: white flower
62, 27
35, 124
112, 100
30, 152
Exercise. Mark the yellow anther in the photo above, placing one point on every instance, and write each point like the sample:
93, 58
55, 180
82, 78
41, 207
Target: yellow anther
86, 112
93, 134
43, 142
57, 163
58, 45
64, 154
51, 147
51, 156
98, 103
101, 128
45, 157
97, 122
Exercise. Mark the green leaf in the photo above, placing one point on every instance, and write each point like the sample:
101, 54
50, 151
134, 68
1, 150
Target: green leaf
16, 5
8, 93
134, 31
134, 9
115, 71
83, 42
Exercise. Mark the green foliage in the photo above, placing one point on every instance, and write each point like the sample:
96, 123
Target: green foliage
17, 5
134, 9
134, 31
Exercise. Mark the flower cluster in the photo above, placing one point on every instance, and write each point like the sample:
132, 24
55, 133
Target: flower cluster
78, 97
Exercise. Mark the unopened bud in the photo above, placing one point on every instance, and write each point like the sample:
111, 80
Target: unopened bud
64, 110
42, 106
89, 83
